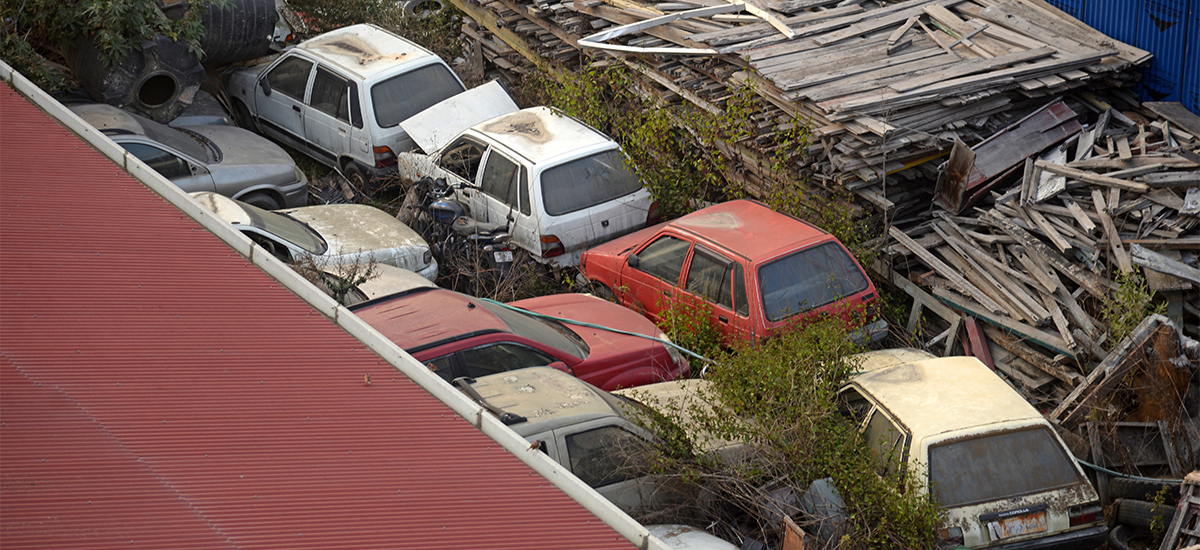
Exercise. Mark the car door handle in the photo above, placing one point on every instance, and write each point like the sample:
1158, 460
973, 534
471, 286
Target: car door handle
722, 319
296, 108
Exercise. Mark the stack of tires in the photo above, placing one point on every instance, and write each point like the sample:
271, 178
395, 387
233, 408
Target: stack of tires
1135, 507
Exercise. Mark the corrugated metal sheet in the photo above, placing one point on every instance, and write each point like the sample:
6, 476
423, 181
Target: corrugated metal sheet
157, 390
1169, 29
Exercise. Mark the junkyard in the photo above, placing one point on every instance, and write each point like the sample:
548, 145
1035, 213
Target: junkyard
756, 274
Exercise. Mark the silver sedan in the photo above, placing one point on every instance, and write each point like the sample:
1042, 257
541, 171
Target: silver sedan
222, 159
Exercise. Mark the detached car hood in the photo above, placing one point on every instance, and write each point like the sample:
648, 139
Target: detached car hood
436, 126
354, 229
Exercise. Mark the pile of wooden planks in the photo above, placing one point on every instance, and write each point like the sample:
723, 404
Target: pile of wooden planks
886, 87
1039, 261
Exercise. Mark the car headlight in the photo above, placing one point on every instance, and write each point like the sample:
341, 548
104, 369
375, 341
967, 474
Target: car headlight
300, 174
676, 356
428, 257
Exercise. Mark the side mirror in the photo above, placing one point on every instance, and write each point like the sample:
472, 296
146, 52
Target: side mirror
559, 365
633, 260
265, 85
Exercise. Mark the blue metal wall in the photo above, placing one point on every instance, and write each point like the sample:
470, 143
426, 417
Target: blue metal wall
1169, 29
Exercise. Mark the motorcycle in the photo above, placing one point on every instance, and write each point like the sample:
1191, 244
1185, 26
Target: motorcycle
458, 239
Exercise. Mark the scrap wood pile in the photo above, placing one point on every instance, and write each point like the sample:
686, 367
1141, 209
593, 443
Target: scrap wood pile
1027, 249
885, 86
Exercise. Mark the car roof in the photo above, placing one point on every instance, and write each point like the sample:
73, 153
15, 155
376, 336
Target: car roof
541, 133
749, 228
945, 394
414, 320
364, 49
109, 119
548, 398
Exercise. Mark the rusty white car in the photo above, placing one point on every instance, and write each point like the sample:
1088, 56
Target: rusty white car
329, 235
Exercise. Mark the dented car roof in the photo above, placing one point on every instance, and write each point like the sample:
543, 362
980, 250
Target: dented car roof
364, 49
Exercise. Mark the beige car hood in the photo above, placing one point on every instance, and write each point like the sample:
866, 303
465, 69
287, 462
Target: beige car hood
353, 229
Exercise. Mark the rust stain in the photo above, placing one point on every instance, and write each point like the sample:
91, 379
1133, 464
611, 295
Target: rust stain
349, 46
524, 124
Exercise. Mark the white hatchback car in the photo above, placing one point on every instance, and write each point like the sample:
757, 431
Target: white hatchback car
559, 185
994, 465
334, 234
340, 97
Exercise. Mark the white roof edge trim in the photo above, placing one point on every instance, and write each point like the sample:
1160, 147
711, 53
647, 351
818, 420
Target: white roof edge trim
597, 41
587, 497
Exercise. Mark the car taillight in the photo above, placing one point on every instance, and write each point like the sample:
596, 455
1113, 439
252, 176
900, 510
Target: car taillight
1084, 514
654, 215
384, 156
551, 246
950, 536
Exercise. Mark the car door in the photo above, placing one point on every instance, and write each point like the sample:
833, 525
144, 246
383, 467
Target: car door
504, 198
279, 100
717, 283
331, 115
652, 285
605, 454
461, 160
183, 172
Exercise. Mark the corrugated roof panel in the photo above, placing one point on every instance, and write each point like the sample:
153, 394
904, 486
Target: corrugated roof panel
196, 402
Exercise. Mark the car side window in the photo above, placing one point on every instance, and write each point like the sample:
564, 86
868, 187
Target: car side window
709, 277
290, 77
604, 456
462, 158
525, 209
886, 441
742, 307
494, 358
442, 366
502, 179
329, 94
853, 405
165, 163
664, 258
276, 249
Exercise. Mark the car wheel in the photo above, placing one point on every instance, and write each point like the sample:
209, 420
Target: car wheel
241, 115
1139, 513
1142, 489
261, 200
354, 174
603, 292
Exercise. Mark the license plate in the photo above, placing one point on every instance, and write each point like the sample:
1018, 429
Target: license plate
1015, 526
503, 255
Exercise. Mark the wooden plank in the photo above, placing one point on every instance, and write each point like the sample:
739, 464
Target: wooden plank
974, 66
898, 33
1090, 177
1036, 271
963, 31
1030, 355
1080, 217
1112, 362
1040, 221
879, 19
1175, 112
1110, 232
1162, 264
1090, 282
1042, 338
1173, 179
917, 293
944, 270
1060, 322
979, 343
1001, 276
984, 282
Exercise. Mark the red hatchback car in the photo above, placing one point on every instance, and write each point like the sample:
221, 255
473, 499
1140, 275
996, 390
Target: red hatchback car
756, 271
457, 335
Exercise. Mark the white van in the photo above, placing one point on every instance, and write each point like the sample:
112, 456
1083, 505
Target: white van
340, 97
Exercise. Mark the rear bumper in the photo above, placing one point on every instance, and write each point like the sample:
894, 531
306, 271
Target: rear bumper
870, 334
1088, 538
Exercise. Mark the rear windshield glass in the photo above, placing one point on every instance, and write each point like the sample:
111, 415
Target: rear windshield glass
809, 279
284, 227
587, 182
405, 95
998, 466
550, 333
171, 137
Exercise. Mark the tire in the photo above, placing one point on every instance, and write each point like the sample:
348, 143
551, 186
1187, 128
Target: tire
1139, 513
261, 200
420, 9
1137, 489
603, 292
1119, 537
358, 180
241, 115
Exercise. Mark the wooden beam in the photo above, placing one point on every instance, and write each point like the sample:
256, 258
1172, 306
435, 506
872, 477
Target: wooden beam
1040, 337
1090, 177
944, 270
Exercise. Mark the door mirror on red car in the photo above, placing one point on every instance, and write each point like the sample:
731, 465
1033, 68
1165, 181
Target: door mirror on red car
632, 260
559, 365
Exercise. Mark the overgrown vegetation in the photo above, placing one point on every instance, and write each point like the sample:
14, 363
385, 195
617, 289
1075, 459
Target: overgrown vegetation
438, 32
1128, 305
779, 399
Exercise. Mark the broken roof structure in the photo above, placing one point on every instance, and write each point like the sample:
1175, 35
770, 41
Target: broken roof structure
164, 384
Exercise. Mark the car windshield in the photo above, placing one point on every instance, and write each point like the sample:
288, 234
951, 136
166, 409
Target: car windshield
998, 466
586, 182
545, 331
407, 94
173, 138
808, 279
285, 228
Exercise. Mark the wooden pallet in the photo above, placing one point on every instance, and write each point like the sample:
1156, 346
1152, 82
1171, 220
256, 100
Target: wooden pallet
1184, 533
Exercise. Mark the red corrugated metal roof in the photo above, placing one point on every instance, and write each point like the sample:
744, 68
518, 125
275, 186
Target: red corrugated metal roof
157, 390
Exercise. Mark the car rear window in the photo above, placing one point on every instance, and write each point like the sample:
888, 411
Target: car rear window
407, 94
545, 331
172, 137
809, 279
997, 466
586, 182
285, 227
